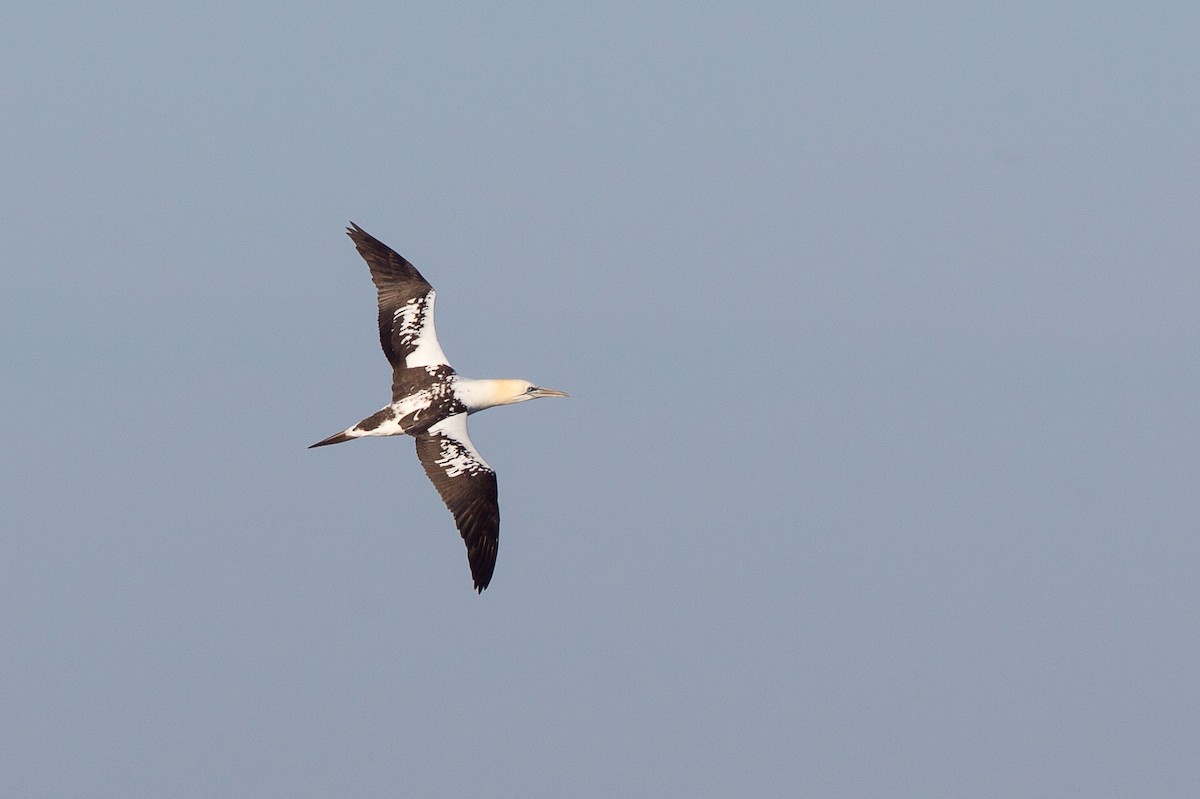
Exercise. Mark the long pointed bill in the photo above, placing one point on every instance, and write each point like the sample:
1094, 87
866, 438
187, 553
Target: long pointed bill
549, 392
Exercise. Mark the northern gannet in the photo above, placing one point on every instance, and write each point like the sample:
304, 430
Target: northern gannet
430, 402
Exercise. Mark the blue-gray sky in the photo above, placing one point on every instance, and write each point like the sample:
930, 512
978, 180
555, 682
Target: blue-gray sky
878, 478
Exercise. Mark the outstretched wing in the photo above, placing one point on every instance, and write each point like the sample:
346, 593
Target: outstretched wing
405, 304
468, 487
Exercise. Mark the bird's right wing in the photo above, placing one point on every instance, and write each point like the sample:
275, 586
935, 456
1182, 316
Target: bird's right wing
406, 328
468, 487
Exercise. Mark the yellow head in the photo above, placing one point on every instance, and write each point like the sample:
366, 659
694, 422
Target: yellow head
480, 394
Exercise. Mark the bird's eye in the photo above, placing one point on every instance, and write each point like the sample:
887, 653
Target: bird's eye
531, 389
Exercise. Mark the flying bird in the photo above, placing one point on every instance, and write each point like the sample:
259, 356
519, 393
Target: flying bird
431, 402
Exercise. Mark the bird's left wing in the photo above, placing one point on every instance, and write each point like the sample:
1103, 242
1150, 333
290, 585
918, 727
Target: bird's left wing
468, 487
406, 299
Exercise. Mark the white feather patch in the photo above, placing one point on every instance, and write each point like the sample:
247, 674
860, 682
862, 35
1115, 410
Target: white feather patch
413, 321
458, 454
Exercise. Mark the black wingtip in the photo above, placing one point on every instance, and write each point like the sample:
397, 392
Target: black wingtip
358, 235
483, 567
481, 574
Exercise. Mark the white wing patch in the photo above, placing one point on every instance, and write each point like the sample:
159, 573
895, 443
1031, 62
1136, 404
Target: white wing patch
458, 455
413, 324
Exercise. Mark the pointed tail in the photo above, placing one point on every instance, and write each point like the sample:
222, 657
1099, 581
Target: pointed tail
336, 438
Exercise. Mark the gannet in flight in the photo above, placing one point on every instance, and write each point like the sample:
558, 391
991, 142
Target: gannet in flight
430, 402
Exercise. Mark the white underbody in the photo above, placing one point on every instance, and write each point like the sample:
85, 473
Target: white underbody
476, 395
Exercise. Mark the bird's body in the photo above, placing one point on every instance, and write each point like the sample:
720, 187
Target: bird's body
431, 402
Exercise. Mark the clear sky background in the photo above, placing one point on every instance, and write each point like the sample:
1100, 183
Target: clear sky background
878, 478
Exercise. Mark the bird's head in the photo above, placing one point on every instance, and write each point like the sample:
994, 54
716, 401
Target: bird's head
481, 394
513, 391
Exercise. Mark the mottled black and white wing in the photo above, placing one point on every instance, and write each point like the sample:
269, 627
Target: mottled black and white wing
406, 329
468, 487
